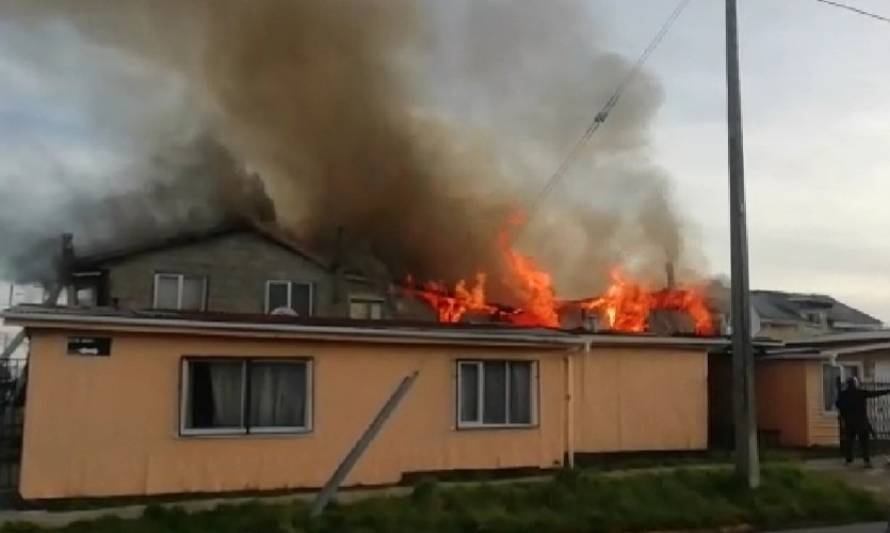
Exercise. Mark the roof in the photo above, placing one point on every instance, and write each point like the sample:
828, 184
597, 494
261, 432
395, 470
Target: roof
841, 340
789, 306
333, 329
184, 239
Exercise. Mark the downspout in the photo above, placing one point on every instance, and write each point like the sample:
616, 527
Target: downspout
570, 406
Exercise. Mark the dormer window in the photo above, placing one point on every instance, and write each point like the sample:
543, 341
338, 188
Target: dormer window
814, 317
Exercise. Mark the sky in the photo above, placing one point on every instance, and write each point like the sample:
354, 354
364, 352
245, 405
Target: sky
816, 116
816, 108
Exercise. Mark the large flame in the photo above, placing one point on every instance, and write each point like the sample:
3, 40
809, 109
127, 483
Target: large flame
625, 306
452, 305
530, 284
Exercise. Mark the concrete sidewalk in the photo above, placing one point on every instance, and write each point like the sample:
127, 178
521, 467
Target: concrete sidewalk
875, 480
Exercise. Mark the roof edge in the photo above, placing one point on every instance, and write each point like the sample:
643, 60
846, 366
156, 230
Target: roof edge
507, 337
346, 333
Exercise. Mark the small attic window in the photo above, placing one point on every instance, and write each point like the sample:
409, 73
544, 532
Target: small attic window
814, 317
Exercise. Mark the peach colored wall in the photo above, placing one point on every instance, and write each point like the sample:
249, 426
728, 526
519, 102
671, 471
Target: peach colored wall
782, 400
636, 399
109, 426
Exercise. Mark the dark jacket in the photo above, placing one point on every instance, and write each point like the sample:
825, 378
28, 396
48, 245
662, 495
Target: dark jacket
851, 404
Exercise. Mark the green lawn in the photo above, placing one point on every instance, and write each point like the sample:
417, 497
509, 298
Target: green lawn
571, 502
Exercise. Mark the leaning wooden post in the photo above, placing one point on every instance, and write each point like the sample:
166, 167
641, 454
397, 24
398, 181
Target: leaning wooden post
327, 492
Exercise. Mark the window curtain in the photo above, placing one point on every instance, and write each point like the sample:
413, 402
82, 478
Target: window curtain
278, 395
225, 387
469, 392
520, 393
495, 393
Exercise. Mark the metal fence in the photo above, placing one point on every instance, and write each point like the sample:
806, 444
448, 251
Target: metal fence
12, 413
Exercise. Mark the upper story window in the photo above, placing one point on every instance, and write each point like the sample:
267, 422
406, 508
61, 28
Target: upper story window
366, 308
814, 317
294, 295
180, 291
496, 393
225, 396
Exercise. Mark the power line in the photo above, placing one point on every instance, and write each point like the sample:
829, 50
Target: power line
604, 112
855, 10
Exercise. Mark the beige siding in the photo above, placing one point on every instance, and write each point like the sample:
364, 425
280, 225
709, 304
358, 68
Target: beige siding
106, 426
634, 399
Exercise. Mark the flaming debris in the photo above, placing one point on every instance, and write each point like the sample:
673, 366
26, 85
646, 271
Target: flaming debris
625, 306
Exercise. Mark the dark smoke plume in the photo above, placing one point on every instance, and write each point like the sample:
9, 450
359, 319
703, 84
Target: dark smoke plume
417, 126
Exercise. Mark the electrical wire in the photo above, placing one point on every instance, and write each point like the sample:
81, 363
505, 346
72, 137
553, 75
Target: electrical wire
604, 112
855, 10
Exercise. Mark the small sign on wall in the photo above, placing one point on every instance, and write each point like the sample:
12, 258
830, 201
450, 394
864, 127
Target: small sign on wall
89, 346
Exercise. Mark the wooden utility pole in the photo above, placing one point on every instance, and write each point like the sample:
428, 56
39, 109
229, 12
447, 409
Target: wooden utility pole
339, 475
747, 463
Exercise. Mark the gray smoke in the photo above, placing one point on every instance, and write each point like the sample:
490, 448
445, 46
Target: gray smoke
417, 126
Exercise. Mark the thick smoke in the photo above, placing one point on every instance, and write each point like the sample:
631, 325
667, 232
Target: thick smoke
416, 126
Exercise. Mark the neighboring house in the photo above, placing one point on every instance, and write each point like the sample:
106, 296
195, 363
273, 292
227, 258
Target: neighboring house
784, 315
796, 385
171, 402
234, 270
789, 316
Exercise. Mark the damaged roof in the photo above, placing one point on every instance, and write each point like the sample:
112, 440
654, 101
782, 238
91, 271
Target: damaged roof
496, 334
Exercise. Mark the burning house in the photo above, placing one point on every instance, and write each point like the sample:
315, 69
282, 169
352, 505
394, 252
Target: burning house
298, 119
171, 402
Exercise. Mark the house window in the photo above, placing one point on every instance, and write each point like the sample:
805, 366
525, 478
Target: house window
832, 376
814, 317
293, 295
496, 393
180, 291
226, 396
366, 308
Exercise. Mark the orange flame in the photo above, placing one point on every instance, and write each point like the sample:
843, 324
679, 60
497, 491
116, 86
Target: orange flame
451, 306
532, 285
625, 306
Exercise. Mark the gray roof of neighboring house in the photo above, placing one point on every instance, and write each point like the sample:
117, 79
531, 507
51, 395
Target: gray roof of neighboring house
776, 305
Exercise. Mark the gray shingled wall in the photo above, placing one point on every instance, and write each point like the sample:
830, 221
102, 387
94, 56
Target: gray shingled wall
237, 266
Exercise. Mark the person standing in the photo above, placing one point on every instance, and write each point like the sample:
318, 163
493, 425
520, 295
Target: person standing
852, 407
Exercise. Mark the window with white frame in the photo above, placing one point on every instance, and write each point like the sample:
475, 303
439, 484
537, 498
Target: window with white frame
180, 291
834, 376
294, 295
365, 308
223, 396
496, 393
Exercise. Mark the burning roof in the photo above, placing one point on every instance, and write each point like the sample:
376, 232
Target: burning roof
333, 329
625, 306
